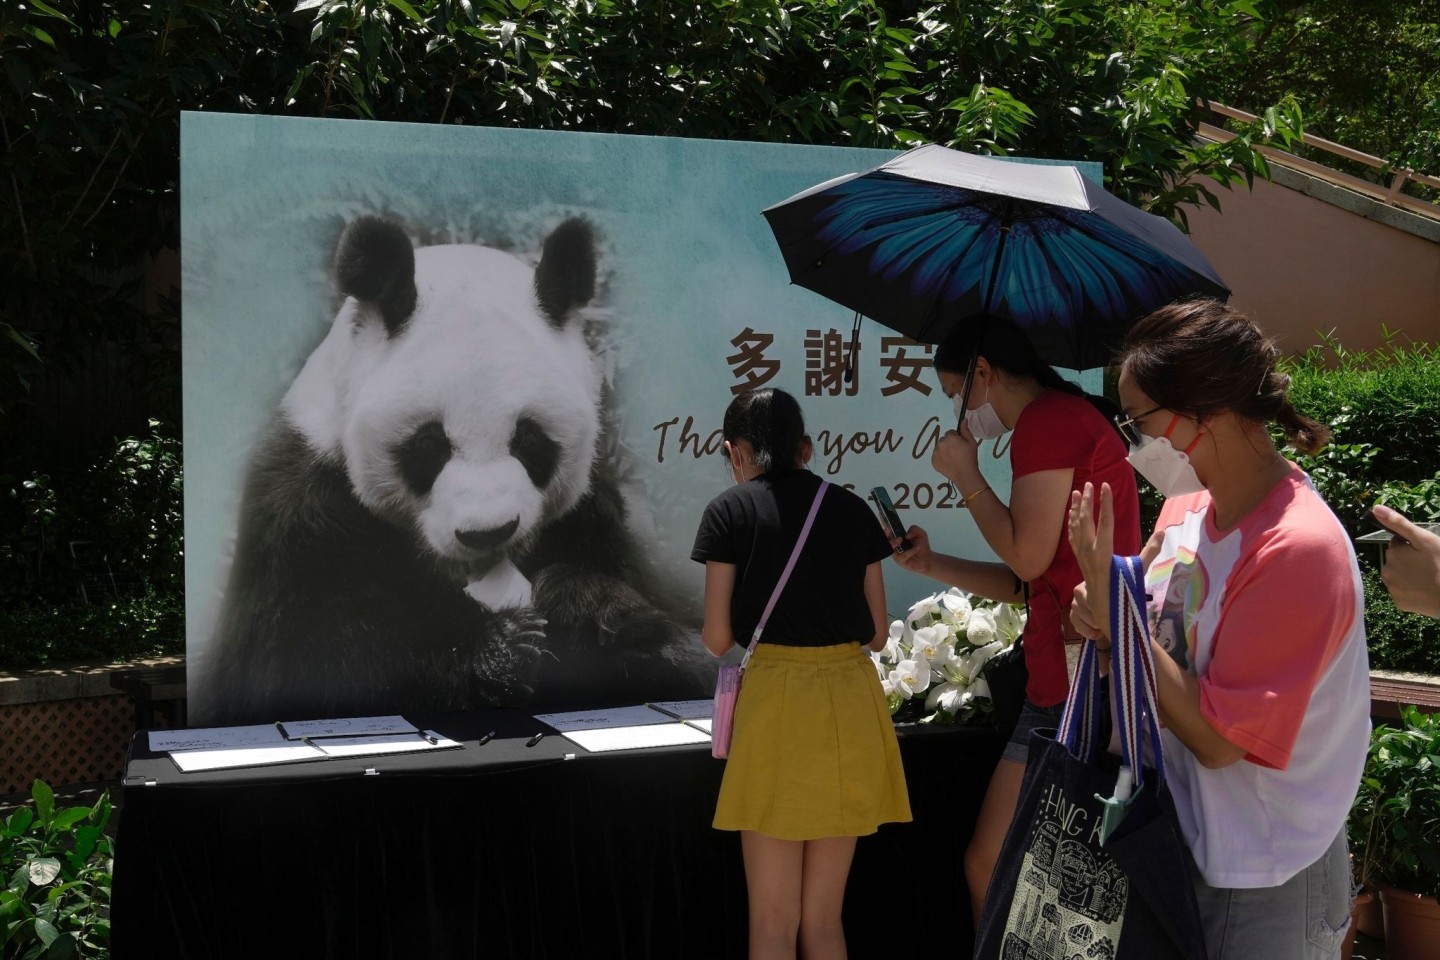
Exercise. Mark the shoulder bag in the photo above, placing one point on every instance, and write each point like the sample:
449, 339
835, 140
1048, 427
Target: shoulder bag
1094, 864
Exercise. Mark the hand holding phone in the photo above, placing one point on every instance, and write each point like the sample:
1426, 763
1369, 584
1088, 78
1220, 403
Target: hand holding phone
890, 517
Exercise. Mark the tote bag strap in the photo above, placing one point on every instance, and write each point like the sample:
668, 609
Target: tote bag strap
1080, 722
1132, 674
785, 576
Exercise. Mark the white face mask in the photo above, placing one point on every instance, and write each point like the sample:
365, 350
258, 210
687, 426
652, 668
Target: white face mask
983, 421
1168, 470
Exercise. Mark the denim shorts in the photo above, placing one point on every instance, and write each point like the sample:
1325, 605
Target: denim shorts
1304, 918
1031, 718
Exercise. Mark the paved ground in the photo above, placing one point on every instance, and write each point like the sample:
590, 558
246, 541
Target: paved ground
1368, 949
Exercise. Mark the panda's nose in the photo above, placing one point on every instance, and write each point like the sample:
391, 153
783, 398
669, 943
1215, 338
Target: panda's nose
488, 539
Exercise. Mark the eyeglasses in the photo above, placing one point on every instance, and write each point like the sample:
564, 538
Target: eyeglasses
1129, 427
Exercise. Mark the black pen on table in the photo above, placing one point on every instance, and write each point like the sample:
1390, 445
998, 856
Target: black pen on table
428, 737
486, 739
535, 739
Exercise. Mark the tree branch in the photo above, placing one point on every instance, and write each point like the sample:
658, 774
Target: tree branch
91, 182
19, 208
454, 78
121, 172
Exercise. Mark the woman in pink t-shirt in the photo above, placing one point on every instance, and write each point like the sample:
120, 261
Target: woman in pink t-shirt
1256, 614
1059, 441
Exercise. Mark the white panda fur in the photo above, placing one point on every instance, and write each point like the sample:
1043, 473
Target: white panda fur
405, 543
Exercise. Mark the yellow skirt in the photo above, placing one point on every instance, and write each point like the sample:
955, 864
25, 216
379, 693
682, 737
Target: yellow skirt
813, 753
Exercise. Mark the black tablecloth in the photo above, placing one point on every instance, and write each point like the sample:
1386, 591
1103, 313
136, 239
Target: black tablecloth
503, 851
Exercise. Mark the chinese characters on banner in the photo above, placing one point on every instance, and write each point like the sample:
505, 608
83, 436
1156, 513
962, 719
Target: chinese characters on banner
824, 356
827, 354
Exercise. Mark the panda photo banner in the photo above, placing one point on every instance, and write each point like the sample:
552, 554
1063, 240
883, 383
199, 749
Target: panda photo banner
452, 398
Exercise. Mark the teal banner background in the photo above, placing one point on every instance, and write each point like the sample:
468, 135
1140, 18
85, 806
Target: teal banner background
687, 265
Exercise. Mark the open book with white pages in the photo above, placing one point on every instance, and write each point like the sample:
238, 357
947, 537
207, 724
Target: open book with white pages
663, 724
221, 748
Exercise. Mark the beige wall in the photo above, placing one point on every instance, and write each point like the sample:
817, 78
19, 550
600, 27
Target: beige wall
1299, 265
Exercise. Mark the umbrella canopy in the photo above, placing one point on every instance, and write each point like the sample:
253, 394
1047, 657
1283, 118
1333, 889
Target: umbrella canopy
934, 236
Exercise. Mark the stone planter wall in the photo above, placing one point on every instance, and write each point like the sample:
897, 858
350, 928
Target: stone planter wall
65, 725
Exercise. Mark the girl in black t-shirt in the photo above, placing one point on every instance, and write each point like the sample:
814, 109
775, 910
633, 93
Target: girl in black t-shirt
813, 759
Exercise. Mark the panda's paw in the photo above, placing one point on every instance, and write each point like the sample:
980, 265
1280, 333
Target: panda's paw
640, 628
619, 615
510, 664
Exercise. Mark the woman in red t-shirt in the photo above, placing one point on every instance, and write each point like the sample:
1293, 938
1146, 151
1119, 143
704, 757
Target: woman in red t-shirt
1059, 441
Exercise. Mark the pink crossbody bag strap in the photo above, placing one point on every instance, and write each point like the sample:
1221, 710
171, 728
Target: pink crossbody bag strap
785, 576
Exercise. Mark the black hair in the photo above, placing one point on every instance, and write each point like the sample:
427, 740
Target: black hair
1203, 357
771, 422
1007, 348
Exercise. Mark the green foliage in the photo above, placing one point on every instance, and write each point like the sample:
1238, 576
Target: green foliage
1394, 825
56, 867
116, 522
91, 94
1386, 449
1344, 473
152, 624
1367, 73
1398, 640
1386, 445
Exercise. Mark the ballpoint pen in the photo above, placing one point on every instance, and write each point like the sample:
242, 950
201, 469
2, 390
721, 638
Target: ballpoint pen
486, 739
535, 739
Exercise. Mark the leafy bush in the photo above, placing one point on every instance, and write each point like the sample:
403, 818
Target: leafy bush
1394, 824
1384, 399
148, 625
56, 866
1398, 640
1386, 449
121, 515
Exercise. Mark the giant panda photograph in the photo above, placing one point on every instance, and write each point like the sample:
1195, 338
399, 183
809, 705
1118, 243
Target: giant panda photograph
432, 520
452, 399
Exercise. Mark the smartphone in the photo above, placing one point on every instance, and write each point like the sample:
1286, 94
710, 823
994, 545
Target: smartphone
1385, 534
890, 517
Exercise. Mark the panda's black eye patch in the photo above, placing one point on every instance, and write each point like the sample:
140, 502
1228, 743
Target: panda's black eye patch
537, 453
422, 457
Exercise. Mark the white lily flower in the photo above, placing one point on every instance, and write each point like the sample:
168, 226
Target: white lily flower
950, 697
943, 646
980, 629
927, 641
942, 659
955, 607
956, 669
923, 610
899, 636
1009, 620
910, 677
981, 656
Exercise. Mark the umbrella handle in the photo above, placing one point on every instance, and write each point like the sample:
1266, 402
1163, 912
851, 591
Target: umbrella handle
970, 370
852, 361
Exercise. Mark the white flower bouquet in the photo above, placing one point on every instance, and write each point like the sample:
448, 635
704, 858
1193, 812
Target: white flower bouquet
932, 667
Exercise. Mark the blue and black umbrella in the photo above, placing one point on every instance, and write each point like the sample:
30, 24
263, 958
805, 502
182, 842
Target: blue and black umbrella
936, 237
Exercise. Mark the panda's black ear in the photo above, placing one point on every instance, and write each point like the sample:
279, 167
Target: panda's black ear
374, 262
565, 278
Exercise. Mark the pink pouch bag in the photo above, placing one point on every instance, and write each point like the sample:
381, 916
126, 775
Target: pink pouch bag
727, 683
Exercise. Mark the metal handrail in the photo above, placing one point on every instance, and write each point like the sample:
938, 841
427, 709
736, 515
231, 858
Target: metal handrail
1391, 194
